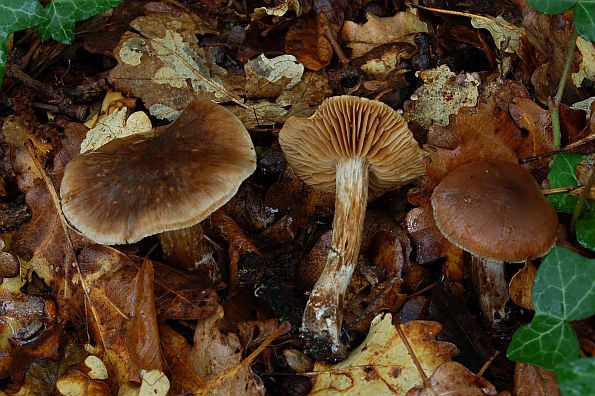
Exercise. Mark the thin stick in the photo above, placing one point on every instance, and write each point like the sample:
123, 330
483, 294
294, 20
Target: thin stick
332, 39
413, 356
487, 364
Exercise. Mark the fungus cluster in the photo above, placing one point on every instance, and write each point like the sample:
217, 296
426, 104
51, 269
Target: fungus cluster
359, 149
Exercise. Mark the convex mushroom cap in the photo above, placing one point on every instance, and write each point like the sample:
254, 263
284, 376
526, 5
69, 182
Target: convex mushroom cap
346, 127
170, 178
495, 210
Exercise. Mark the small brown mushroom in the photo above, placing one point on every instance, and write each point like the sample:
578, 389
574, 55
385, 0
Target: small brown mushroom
168, 179
357, 148
494, 210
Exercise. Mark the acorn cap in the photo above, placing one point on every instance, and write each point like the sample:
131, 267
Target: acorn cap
167, 179
345, 127
495, 210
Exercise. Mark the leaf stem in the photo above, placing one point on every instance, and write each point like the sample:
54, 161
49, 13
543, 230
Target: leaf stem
554, 104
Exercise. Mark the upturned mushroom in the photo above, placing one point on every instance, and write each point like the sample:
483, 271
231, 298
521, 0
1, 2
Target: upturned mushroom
161, 182
359, 149
494, 210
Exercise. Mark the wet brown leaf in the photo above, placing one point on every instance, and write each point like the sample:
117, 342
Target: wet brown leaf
305, 40
454, 379
521, 285
428, 241
530, 380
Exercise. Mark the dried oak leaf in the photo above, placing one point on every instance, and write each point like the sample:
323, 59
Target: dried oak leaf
163, 65
482, 132
381, 365
454, 379
87, 378
269, 78
213, 354
531, 380
442, 94
362, 38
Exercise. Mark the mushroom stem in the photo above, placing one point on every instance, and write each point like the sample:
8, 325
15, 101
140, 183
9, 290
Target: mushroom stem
188, 248
324, 312
491, 290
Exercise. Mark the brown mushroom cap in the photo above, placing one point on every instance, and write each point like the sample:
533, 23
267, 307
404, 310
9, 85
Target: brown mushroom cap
495, 210
170, 178
345, 127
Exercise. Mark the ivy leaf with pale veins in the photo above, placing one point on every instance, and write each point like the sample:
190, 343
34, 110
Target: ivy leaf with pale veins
61, 15
577, 378
16, 15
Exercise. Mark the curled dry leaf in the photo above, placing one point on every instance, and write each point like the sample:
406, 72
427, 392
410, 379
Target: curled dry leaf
280, 9
521, 286
587, 66
442, 95
164, 65
454, 379
506, 35
381, 365
28, 329
376, 31
246, 263
429, 242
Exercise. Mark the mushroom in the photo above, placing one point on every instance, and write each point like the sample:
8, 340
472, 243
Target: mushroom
162, 181
359, 149
494, 210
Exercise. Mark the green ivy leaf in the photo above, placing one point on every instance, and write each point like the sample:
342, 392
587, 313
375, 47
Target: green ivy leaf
546, 341
16, 15
551, 6
585, 230
577, 377
564, 286
584, 19
563, 174
54, 21
563, 290
61, 15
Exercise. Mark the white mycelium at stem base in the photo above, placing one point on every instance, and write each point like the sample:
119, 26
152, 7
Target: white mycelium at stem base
324, 312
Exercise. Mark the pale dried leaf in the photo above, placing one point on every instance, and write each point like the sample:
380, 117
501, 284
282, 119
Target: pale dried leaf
587, 66
280, 9
164, 65
381, 365
269, 78
506, 36
442, 94
114, 126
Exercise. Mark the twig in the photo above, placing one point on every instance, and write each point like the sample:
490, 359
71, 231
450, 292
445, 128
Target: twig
329, 33
485, 366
